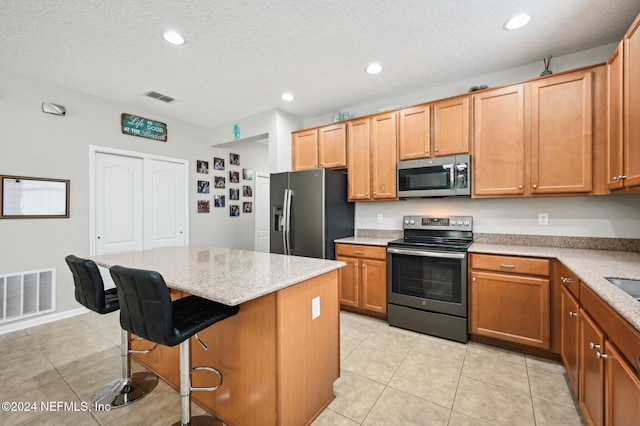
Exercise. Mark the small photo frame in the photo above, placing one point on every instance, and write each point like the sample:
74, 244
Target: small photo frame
218, 163
247, 191
234, 177
234, 159
203, 206
247, 207
203, 187
234, 193
202, 166
247, 174
234, 210
219, 182
218, 200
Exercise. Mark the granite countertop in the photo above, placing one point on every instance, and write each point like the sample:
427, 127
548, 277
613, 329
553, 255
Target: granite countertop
367, 241
591, 266
224, 275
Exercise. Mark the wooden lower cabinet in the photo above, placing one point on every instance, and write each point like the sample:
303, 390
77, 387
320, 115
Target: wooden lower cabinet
363, 282
591, 378
622, 390
509, 306
570, 344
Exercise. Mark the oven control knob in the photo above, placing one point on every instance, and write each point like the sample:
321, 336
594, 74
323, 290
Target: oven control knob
466, 223
406, 221
413, 222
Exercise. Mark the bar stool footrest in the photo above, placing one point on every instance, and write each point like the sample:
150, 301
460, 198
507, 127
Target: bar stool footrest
210, 388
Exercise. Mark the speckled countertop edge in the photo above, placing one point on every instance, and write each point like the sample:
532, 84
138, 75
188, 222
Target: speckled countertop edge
369, 241
224, 275
591, 266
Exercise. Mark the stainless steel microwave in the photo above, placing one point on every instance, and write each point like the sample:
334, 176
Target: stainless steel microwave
435, 177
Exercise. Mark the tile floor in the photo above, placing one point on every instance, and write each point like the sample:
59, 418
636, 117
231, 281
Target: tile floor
389, 377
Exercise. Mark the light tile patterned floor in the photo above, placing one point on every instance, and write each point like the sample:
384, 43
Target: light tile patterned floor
392, 376
389, 377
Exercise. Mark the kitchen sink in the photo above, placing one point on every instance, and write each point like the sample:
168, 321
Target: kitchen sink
631, 287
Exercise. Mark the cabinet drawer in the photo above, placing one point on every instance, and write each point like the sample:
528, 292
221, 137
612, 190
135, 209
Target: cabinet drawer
356, 250
518, 265
568, 279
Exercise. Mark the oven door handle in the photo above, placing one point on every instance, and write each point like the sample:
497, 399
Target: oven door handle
427, 253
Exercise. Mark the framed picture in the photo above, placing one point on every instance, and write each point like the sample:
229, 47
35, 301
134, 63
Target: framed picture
202, 166
246, 191
218, 200
218, 163
234, 159
247, 207
234, 177
218, 182
203, 206
247, 174
234, 193
234, 210
203, 187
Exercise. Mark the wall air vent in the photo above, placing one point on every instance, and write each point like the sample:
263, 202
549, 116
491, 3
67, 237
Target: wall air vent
25, 294
159, 96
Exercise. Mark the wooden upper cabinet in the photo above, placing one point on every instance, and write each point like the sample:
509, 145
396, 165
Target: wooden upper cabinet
451, 126
632, 105
384, 136
615, 69
359, 159
332, 146
304, 150
415, 133
499, 142
561, 134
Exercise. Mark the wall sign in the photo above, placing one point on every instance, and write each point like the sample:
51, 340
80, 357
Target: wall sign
143, 127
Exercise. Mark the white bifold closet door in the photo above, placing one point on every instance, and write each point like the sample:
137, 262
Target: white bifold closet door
139, 203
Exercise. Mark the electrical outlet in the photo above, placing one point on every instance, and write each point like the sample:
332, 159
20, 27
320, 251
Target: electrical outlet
543, 218
315, 307
380, 218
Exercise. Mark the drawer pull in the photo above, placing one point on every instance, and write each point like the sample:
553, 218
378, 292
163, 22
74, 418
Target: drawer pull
566, 280
593, 345
504, 265
573, 314
601, 355
358, 252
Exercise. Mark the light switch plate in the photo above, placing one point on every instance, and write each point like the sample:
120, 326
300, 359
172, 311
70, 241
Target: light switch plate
315, 307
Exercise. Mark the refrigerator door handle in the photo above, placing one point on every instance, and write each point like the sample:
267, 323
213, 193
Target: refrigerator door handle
284, 223
288, 195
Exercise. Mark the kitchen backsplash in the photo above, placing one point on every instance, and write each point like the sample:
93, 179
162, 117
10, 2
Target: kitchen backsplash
593, 243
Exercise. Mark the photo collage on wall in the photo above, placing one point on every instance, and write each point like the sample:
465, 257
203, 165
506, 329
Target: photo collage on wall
240, 191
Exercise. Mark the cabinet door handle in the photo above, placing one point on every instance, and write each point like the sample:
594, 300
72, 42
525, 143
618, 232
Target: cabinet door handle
615, 178
573, 314
519, 186
535, 186
566, 280
593, 346
363, 265
504, 265
601, 356
355, 264
622, 177
436, 150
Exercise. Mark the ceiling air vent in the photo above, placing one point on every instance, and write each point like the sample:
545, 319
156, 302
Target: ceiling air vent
159, 96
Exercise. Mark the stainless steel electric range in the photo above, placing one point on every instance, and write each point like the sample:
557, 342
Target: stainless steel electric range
427, 276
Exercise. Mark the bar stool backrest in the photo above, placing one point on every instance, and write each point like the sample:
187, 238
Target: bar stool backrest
145, 304
90, 287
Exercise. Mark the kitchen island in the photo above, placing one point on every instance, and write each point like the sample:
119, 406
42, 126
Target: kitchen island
279, 355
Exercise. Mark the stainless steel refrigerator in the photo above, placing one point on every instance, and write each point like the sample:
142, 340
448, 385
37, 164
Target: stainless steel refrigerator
309, 209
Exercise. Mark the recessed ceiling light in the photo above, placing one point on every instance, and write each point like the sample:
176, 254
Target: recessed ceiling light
517, 21
173, 37
287, 96
374, 68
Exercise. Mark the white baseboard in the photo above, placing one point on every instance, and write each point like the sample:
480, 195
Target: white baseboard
45, 319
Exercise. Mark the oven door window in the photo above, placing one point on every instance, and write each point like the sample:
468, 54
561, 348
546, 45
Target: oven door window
424, 178
428, 277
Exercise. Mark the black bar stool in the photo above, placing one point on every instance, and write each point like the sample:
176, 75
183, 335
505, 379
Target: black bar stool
146, 309
90, 293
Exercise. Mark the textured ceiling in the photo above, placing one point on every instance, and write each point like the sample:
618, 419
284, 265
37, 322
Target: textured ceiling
240, 56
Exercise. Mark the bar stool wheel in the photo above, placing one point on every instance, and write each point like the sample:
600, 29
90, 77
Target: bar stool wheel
121, 392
